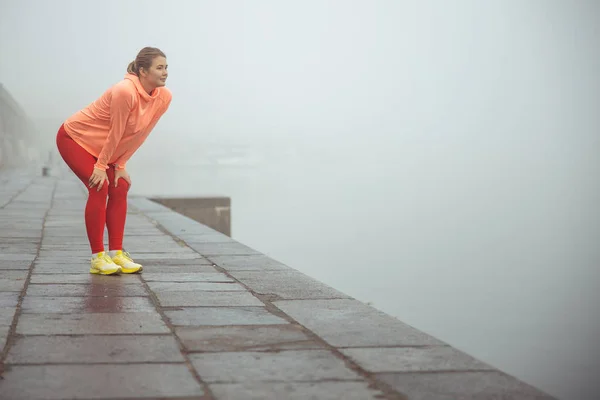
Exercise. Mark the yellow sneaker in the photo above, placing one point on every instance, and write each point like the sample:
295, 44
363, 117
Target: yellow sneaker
122, 259
103, 265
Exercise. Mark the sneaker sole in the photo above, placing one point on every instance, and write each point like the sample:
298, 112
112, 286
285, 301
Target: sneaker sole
127, 271
98, 272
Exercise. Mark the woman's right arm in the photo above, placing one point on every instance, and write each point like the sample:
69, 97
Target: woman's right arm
120, 107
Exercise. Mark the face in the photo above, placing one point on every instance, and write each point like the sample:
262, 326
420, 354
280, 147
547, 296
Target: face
157, 75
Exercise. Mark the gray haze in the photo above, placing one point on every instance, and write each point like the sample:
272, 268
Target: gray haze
436, 159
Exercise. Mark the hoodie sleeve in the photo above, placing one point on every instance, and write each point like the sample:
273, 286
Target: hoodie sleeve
121, 104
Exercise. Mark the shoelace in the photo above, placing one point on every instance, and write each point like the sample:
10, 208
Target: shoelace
127, 256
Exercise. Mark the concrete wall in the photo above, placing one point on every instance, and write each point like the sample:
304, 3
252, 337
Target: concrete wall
214, 212
18, 145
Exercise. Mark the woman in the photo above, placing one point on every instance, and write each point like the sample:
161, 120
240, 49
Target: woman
96, 144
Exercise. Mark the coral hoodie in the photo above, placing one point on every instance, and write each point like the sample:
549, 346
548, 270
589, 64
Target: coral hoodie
114, 126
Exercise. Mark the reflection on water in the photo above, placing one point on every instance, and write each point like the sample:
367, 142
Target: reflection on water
497, 260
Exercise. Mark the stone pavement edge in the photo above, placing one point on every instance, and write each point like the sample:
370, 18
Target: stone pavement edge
209, 318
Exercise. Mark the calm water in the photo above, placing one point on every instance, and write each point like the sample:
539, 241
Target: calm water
498, 261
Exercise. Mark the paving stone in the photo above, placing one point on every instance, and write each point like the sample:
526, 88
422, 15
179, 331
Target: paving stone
411, 359
195, 286
171, 254
17, 257
350, 323
166, 276
6, 318
192, 240
92, 304
9, 299
21, 233
287, 285
94, 349
80, 258
491, 385
203, 316
207, 299
14, 244
57, 382
178, 269
244, 338
159, 264
12, 280
104, 289
289, 365
216, 249
256, 262
56, 267
77, 245
4, 265
295, 391
4, 330
93, 323
83, 278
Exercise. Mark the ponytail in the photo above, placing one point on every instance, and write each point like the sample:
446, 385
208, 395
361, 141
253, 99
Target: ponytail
131, 68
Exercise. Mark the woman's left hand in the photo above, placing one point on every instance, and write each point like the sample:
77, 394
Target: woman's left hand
121, 173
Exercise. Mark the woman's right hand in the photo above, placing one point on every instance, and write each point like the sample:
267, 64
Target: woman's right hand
98, 178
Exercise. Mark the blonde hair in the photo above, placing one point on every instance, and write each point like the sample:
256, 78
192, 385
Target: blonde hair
144, 60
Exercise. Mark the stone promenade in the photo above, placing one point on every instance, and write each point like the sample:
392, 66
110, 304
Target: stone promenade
209, 318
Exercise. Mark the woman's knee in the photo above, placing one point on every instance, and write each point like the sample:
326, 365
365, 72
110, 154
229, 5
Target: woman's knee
100, 194
120, 190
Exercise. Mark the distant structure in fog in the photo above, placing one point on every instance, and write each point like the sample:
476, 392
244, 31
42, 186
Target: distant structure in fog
18, 145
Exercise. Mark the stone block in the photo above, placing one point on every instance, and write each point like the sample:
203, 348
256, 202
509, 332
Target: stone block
207, 316
206, 238
219, 249
6, 315
169, 254
8, 299
177, 269
245, 338
5, 256
286, 366
94, 349
461, 385
207, 299
350, 323
167, 276
412, 359
158, 264
105, 381
83, 278
56, 267
7, 265
195, 286
295, 391
255, 262
289, 284
12, 280
104, 289
91, 304
90, 324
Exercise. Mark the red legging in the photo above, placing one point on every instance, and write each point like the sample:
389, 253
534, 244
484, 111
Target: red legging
97, 212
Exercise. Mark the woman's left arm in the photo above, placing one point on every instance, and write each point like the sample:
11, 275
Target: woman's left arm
121, 163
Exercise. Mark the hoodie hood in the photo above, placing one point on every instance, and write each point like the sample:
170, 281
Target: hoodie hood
138, 85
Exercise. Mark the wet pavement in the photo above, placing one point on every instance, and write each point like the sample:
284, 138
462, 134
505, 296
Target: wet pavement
209, 318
